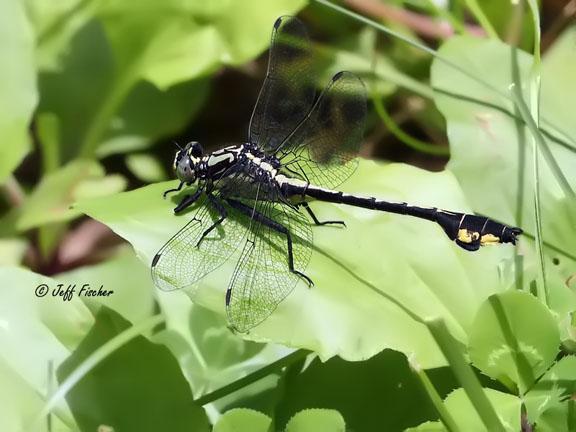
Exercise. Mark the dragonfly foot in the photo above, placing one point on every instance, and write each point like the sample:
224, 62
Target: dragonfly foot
306, 278
335, 223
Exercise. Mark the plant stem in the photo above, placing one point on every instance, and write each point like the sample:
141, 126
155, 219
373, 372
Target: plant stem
253, 377
446, 14
444, 60
101, 119
418, 23
413, 43
91, 362
410, 141
481, 17
538, 144
48, 128
436, 400
464, 374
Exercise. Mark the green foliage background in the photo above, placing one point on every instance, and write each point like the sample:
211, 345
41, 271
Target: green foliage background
402, 331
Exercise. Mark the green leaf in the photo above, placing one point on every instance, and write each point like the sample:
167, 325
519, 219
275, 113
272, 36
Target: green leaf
35, 332
381, 391
483, 140
558, 69
132, 297
57, 324
219, 346
55, 24
501, 14
150, 113
487, 148
312, 420
373, 279
428, 427
146, 167
559, 418
186, 40
356, 54
20, 402
242, 419
507, 407
514, 335
556, 385
149, 395
18, 94
12, 251
51, 200
77, 92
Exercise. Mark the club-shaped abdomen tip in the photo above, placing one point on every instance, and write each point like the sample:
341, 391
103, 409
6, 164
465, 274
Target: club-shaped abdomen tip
511, 233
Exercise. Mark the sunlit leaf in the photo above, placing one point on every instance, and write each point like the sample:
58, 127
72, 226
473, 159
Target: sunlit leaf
12, 251
312, 420
51, 200
132, 297
145, 167
486, 147
507, 408
18, 94
241, 419
514, 335
37, 330
363, 274
558, 384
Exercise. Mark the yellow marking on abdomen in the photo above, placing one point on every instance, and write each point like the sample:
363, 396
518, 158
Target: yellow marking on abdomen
489, 239
466, 236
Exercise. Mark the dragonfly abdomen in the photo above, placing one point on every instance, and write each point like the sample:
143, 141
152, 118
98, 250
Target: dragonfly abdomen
469, 231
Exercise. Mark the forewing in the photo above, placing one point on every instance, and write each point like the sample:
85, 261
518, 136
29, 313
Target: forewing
322, 150
288, 91
262, 278
180, 263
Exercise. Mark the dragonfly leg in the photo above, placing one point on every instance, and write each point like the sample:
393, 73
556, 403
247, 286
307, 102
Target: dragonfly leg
188, 200
173, 190
315, 219
216, 204
263, 219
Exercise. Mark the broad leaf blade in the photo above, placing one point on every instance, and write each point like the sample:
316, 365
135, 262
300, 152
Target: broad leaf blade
152, 386
18, 94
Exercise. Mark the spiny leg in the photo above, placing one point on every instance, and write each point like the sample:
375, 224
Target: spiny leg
188, 200
263, 219
315, 219
216, 204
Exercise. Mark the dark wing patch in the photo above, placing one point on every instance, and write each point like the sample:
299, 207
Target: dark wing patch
322, 150
288, 91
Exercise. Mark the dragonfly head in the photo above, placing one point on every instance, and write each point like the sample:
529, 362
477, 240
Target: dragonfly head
187, 162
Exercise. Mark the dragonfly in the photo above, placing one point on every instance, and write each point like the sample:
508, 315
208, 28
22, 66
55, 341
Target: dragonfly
252, 199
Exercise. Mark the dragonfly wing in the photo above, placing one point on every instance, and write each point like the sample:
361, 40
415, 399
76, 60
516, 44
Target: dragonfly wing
180, 263
262, 279
323, 148
288, 91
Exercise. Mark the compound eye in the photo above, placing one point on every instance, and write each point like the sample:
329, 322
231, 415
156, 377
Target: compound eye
195, 149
